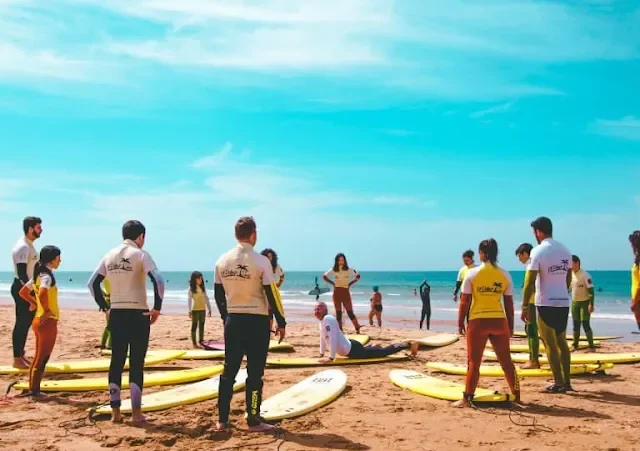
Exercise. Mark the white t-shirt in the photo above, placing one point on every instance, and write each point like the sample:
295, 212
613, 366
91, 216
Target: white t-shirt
24, 252
332, 337
126, 268
277, 274
552, 260
243, 274
580, 284
342, 277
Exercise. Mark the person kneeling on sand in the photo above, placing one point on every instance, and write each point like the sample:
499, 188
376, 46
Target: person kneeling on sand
332, 337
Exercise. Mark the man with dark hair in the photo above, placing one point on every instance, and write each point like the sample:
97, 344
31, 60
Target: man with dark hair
244, 289
582, 300
25, 257
523, 253
549, 277
467, 259
126, 267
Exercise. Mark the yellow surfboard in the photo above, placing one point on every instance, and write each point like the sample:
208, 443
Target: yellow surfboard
522, 334
180, 396
339, 360
438, 340
581, 359
189, 354
440, 388
96, 365
515, 347
151, 379
360, 338
496, 370
307, 395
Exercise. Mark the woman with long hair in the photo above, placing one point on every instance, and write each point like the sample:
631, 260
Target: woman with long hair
278, 275
198, 303
634, 240
344, 278
487, 300
45, 304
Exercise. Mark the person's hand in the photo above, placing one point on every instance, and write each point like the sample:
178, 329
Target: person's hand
461, 330
46, 316
455, 298
209, 315
525, 315
591, 308
107, 313
190, 315
280, 331
33, 307
154, 314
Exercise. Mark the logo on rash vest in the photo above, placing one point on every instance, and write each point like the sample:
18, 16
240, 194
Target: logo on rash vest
495, 288
123, 265
241, 271
562, 267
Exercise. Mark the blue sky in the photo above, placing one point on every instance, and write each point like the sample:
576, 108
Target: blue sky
398, 132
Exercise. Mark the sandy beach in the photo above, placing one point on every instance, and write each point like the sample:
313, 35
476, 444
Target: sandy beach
372, 413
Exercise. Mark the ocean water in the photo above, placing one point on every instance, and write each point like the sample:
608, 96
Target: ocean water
397, 288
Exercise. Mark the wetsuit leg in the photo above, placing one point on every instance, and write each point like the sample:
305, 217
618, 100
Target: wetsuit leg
429, 315
500, 337
576, 314
141, 325
234, 350
477, 335
194, 326
369, 352
346, 301
46, 335
257, 349
533, 334
121, 330
201, 321
423, 314
585, 318
553, 325
24, 318
337, 304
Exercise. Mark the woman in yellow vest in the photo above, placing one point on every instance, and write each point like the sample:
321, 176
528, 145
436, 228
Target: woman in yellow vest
197, 303
45, 302
634, 239
487, 302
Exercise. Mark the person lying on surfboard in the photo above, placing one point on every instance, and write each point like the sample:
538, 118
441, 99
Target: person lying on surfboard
331, 337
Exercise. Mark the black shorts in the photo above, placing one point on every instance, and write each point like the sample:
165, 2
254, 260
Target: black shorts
554, 317
378, 307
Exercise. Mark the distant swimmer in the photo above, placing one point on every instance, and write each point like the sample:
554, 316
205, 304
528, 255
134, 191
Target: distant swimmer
126, 267
425, 295
549, 276
199, 307
342, 283
487, 302
278, 275
582, 302
47, 313
415, 292
375, 302
333, 340
523, 253
634, 239
25, 257
467, 259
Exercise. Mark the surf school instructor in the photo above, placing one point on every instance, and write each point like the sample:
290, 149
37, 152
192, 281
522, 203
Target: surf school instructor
245, 291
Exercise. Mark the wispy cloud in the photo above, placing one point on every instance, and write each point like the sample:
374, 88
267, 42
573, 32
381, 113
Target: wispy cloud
497, 109
626, 128
215, 159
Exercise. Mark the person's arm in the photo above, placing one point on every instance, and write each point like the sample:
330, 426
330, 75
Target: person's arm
508, 301
591, 291
569, 279
465, 304
529, 287
281, 280
21, 258
459, 281
94, 286
323, 345
189, 301
326, 275
333, 339
206, 298
219, 295
26, 293
356, 275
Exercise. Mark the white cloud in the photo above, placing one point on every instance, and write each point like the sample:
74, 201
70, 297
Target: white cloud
626, 128
214, 160
497, 109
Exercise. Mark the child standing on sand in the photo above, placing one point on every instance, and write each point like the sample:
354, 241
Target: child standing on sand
198, 302
376, 306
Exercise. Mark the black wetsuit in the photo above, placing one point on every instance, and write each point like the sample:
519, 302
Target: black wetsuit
425, 295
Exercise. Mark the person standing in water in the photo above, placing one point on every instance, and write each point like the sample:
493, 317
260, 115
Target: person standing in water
549, 277
198, 305
25, 257
530, 319
467, 259
634, 240
47, 313
244, 289
425, 295
376, 306
126, 268
342, 283
487, 302
582, 303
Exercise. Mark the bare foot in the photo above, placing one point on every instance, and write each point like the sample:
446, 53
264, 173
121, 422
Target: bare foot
461, 404
20, 364
414, 348
221, 427
262, 427
138, 419
39, 397
531, 365
116, 416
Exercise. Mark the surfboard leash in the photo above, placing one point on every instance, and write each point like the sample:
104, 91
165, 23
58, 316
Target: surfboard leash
513, 412
279, 436
71, 426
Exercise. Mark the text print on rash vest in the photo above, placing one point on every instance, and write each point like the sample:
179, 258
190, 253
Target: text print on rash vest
562, 267
495, 288
123, 265
241, 271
